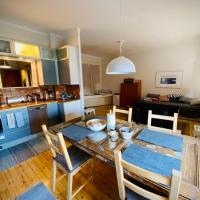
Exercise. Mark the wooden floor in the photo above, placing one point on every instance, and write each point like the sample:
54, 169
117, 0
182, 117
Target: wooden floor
18, 179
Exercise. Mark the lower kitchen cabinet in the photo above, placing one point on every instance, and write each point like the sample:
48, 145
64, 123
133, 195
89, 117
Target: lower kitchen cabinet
20, 133
53, 114
19, 124
70, 110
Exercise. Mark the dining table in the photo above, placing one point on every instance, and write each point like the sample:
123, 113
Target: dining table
104, 150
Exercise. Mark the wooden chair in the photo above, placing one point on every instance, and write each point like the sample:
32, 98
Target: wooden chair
70, 160
174, 119
131, 191
128, 112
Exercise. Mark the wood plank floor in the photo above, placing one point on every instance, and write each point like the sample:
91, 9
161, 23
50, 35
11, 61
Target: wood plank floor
18, 179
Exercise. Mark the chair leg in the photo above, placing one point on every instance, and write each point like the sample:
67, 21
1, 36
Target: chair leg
69, 185
92, 167
54, 176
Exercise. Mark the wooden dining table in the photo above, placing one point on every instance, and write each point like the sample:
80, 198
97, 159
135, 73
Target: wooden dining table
190, 157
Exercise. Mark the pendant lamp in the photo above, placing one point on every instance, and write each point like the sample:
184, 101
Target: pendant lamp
121, 64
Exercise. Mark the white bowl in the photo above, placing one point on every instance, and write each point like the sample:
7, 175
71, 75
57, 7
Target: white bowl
126, 133
96, 124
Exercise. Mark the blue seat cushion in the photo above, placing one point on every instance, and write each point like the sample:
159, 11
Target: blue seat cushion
77, 157
39, 192
131, 195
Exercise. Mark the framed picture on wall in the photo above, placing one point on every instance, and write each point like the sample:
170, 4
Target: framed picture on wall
169, 79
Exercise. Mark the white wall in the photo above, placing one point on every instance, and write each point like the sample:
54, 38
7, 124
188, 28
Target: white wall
184, 57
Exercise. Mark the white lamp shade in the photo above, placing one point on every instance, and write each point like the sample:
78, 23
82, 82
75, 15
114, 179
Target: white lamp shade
120, 65
5, 67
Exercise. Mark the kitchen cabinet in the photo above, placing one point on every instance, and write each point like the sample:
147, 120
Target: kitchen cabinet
47, 68
29, 50
61, 112
53, 114
68, 65
48, 76
5, 47
20, 128
70, 110
47, 53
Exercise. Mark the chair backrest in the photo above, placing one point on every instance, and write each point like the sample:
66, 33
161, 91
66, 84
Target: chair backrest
174, 119
121, 165
128, 112
60, 148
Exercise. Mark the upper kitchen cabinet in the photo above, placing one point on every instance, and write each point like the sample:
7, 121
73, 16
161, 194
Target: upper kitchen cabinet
47, 53
68, 65
5, 47
47, 72
28, 50
47, 68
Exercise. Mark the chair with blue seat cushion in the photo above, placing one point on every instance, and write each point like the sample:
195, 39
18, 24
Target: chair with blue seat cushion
77, 157
131, 191
130, 195
128, 112
39, 192
70, 160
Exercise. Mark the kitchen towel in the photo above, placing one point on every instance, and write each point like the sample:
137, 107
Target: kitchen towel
162, 139
76, 133
150, 160
19, 119
10, 120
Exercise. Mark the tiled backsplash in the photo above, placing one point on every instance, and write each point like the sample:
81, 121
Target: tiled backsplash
74, 90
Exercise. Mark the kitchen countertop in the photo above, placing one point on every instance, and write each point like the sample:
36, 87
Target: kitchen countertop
21, 105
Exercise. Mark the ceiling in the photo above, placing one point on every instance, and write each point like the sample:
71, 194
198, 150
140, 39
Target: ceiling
147, 24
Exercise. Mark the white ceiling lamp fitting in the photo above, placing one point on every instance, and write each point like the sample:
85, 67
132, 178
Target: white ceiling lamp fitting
5, 66
121, 64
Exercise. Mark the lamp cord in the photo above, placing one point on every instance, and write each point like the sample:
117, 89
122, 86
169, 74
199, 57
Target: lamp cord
120, 33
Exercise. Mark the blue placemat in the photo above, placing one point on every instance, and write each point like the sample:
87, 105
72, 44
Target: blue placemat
76, 133
162, 139
150, 160
39, 192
